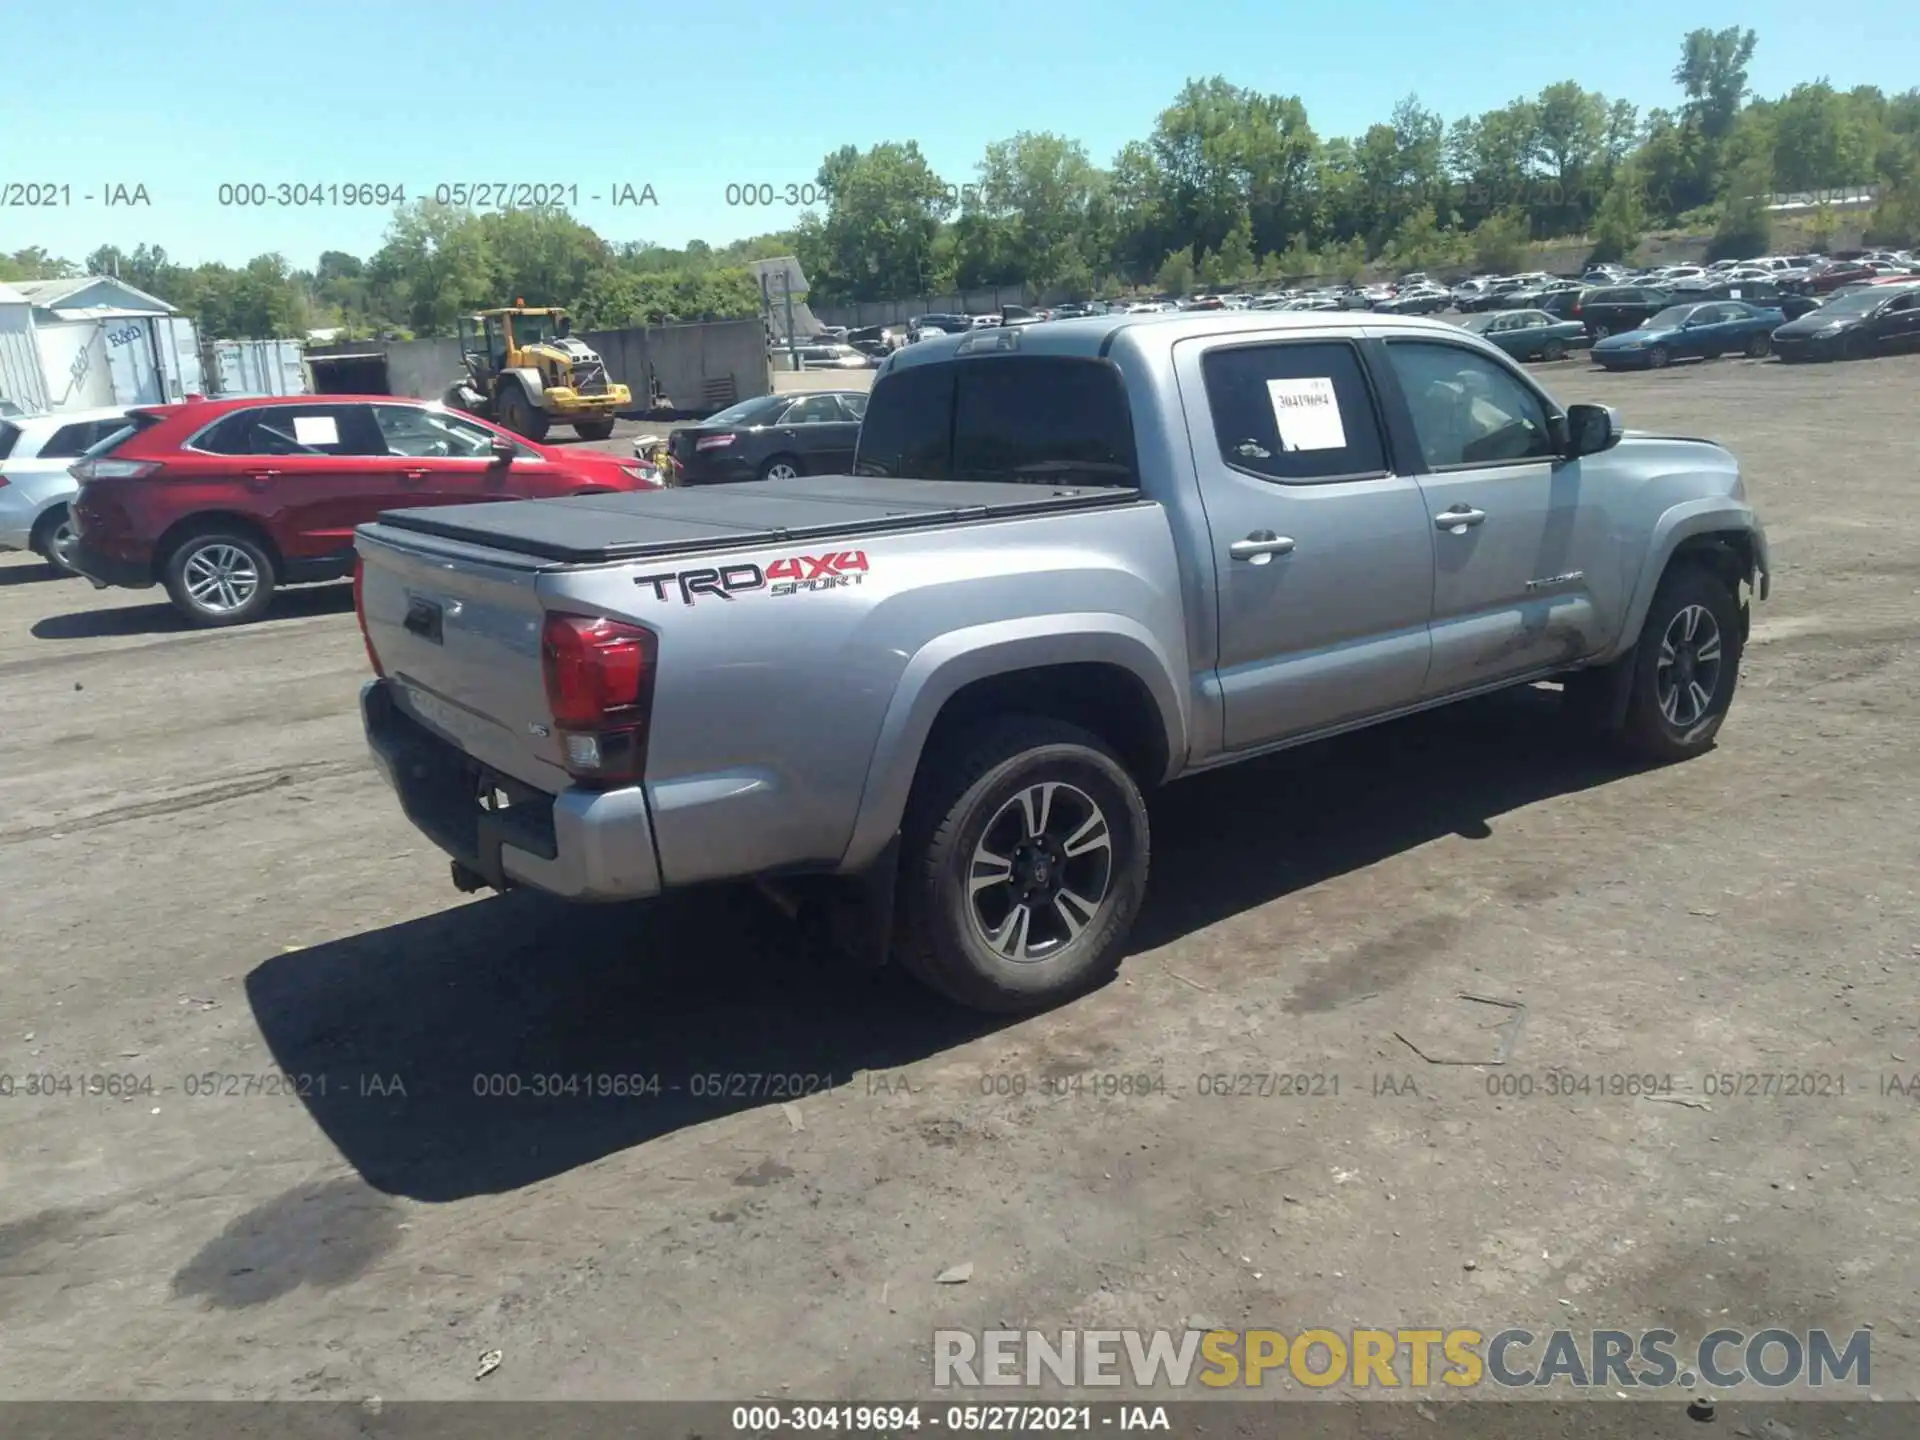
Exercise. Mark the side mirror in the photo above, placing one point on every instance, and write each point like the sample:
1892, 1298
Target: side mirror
503, 450
1591, 429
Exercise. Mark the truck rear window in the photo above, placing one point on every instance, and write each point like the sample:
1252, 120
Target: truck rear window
1038, 419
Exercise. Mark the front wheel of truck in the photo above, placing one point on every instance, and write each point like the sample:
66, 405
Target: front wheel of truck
1023, 863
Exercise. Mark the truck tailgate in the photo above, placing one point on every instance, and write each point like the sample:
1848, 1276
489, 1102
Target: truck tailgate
457, 631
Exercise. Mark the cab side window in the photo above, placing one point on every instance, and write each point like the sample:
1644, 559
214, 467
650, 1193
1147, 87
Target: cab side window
1467, 409
1295, 412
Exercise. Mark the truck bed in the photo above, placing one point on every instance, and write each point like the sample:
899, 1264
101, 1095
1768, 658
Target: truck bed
642, 524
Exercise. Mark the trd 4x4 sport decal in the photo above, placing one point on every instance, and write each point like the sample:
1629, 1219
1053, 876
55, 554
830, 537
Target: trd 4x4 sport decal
795, 575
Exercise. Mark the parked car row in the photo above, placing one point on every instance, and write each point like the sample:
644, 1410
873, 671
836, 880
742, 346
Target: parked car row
222, 502
1865, 320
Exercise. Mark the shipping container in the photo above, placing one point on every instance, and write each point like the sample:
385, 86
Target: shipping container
179, 346
21, 384
258, 367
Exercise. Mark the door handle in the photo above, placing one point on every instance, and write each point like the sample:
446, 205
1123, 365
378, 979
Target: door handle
260, 479
1459, 518
1260, 547
413, 477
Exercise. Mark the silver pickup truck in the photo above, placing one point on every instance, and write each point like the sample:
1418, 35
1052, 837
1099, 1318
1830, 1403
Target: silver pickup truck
1074, 562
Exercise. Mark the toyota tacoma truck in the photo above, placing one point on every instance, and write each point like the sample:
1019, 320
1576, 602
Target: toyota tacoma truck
925, 701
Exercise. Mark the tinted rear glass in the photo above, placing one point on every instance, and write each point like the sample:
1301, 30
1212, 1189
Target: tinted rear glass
70, 442
9, 436
1031, 418
749, 412
112, 442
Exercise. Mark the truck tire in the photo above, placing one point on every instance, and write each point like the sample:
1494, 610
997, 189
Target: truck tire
518, 415
1023, 863
218, 578
1685, 666
593, 429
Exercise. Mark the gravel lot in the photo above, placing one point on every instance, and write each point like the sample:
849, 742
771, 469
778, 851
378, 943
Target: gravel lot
202, 876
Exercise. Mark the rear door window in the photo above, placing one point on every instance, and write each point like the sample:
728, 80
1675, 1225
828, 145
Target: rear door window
291, 430
1295, 412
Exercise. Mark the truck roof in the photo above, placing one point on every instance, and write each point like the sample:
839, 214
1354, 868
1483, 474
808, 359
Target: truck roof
1096, 335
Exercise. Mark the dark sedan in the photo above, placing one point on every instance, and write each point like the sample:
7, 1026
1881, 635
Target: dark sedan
775, 437
1874, 320
1705, 332
1611, 309
1528, 334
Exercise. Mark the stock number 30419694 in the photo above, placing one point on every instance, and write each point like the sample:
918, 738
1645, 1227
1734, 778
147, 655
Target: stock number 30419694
1095, 1084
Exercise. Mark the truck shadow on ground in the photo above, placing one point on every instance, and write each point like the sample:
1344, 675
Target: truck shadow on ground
301, 603
510, 1039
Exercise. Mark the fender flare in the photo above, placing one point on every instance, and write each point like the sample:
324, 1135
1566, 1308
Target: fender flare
951, 661
1675, 527
530, 384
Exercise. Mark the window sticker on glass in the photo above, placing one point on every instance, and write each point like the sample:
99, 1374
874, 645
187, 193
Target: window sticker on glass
315, 430
1307, 414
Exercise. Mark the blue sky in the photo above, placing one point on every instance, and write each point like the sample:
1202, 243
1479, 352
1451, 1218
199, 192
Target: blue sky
180, 98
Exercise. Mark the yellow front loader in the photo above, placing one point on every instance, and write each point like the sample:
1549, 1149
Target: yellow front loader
525, 371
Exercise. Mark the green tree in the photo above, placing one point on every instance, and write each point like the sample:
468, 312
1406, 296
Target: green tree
1621, 221
884, 208
1500, 241
35, 263
1041, 188
1746, 228
1233, 262
1175, 276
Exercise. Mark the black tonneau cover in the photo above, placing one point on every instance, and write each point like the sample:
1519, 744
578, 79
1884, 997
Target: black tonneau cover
590, 529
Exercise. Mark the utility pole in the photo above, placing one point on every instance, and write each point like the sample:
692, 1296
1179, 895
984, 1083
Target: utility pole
793, 345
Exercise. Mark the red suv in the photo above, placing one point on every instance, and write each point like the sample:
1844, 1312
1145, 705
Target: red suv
223, 501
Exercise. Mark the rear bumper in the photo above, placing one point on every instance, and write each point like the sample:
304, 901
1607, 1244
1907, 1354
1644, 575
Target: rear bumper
588, 845
1794, 348
706, 469
106, 569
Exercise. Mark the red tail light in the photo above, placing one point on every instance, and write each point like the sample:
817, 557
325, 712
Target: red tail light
599, 676
713, 442
360, 614
105, 469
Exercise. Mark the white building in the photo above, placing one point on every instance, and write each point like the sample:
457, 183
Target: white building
90, 342
21, 387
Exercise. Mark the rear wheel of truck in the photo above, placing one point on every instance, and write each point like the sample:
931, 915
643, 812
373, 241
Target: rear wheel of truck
1023, 863
593, 429
220, 578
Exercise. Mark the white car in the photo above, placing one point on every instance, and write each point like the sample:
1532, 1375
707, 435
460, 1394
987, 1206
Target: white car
35, 454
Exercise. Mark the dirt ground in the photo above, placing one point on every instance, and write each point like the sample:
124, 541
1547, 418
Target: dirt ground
202, 878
